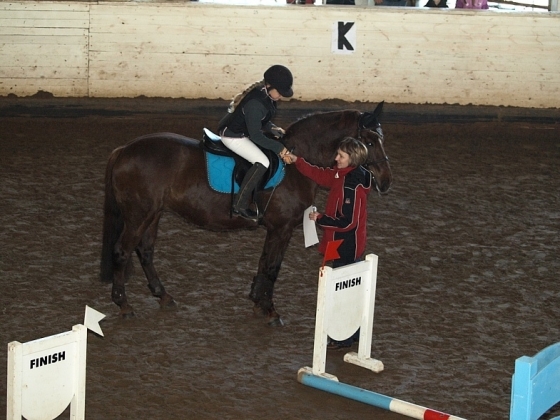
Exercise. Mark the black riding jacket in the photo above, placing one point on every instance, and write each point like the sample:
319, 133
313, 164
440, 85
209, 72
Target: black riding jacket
251, 118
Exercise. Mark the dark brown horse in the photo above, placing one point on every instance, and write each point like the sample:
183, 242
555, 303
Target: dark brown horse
166, 171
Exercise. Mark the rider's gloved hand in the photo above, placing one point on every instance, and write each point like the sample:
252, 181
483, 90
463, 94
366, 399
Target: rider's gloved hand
287, 156
277, 132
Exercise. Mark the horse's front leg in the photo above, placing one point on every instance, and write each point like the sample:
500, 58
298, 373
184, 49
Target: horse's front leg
262, 289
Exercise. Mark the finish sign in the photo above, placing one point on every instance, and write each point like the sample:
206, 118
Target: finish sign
345, 302
48, 374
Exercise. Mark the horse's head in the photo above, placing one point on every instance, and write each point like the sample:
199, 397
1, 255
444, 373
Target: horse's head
378, 161
371, 134
370, 120
317, 136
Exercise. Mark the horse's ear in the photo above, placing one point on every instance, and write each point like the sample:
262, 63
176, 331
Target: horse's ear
369, 119
378, 109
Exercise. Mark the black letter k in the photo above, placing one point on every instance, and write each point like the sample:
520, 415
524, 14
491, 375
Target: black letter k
343, 29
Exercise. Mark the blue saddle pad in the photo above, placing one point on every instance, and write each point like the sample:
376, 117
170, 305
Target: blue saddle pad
220, 172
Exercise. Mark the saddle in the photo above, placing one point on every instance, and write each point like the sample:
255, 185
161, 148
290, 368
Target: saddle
226, 169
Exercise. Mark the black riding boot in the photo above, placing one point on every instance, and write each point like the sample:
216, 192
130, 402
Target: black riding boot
250, 182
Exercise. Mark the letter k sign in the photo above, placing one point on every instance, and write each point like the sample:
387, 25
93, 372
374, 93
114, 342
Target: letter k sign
344, 37
343, 29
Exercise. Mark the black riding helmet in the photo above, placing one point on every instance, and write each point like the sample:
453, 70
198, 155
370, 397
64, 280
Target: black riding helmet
280, 78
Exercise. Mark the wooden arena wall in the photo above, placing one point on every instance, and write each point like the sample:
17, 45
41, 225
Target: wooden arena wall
197, 50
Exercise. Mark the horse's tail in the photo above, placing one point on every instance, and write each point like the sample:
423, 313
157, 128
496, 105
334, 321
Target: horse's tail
113, 223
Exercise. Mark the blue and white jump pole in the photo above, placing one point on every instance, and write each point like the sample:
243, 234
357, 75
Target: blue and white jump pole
345, 302
372, 398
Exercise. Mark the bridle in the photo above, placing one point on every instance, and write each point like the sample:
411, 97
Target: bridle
369, 144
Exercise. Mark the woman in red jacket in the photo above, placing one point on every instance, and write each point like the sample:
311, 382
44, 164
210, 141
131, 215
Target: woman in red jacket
345, 215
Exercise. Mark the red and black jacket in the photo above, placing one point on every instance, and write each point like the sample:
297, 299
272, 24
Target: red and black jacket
345, 215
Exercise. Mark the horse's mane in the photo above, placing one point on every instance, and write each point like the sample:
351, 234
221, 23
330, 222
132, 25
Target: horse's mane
309, 118
306, 116
316, 136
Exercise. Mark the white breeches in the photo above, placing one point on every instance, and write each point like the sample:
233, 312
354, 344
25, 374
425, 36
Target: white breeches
244, 147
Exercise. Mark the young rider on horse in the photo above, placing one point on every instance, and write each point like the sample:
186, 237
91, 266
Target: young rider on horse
242, 129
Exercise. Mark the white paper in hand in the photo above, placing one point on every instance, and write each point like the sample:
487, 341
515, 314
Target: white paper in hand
309, 229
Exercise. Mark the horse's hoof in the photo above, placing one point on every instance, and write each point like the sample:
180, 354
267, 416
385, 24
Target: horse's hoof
275, 321
167, 302
260, 312
171, 306
126, 312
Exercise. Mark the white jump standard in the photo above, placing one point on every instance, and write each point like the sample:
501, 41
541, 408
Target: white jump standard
48, 374
345, 302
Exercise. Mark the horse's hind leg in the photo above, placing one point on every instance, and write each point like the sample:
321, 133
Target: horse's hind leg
122, 265
145, 252
130, 238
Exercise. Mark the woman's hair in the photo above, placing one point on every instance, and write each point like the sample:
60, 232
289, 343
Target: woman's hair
356, 150
239, 97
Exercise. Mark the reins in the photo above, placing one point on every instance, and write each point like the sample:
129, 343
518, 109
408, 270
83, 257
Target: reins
379, 133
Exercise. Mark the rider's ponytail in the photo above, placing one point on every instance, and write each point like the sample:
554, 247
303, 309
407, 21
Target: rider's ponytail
239, 97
